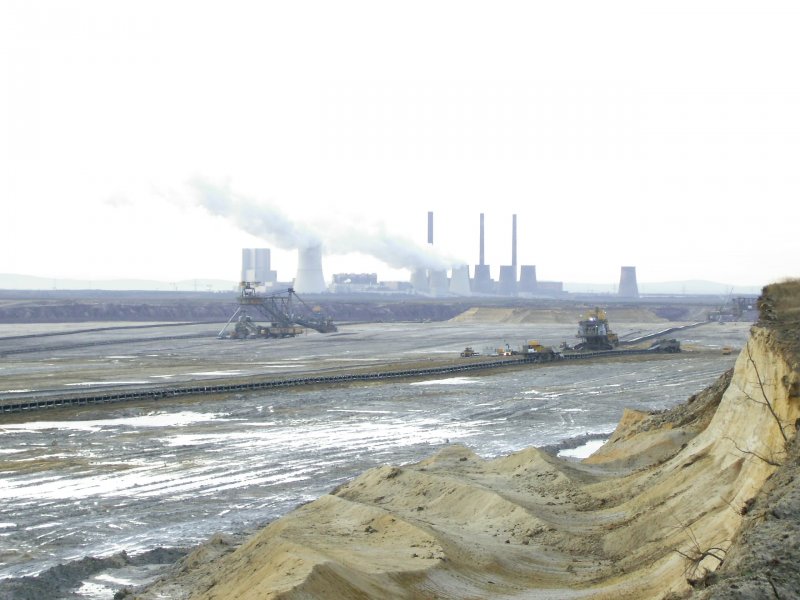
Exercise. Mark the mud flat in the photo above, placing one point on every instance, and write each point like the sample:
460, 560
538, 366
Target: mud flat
59, 360
697, 501
143, 475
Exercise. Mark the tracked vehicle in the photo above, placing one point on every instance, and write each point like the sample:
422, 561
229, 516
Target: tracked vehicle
595, 332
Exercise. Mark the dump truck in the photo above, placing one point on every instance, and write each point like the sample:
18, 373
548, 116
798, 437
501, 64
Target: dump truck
533, 349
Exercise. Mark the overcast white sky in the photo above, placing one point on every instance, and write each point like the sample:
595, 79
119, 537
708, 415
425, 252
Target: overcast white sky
664, 135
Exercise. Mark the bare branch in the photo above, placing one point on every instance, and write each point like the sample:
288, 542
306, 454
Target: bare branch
694, 572
770, 461
739, 511
764, 393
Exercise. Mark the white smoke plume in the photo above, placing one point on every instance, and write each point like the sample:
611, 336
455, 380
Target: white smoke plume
261, 220
271, 224
397, 251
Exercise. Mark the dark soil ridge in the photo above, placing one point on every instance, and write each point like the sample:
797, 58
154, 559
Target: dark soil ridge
220, 312
62, 580
99, 306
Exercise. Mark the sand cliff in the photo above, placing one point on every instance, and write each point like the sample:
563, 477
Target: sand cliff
671, 499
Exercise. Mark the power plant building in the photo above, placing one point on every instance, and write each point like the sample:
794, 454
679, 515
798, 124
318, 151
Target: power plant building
432, 280
256, 266
354, 282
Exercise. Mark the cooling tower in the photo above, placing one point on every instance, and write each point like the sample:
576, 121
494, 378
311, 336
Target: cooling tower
482, 284
628, 288
527, 279
459, 281
310, 279
437, 280
419, 280
508, 280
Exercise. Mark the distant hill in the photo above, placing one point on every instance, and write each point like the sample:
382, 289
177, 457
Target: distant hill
29, 282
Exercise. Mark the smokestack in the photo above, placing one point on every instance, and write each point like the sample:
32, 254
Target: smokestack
481, 261
628, 288
514, 243
310, 279
430, 227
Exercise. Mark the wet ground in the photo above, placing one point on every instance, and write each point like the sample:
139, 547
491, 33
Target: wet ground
136, 477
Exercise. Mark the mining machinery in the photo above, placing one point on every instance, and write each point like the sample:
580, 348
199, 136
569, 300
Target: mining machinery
285, 310
596, 333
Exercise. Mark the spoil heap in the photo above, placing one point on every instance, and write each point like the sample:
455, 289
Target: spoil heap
673, 503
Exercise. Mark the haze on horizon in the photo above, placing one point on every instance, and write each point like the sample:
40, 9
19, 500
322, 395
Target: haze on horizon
663, 135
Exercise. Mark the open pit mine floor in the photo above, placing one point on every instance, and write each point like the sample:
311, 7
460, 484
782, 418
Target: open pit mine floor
147, 475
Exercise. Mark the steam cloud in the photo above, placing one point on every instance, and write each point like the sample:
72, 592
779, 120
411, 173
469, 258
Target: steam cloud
262, 221
270, 223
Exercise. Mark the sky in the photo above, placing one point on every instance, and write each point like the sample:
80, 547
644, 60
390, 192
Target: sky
154, 139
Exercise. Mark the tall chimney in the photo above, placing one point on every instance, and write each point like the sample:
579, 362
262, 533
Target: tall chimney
514, 243
430, 227
481, 261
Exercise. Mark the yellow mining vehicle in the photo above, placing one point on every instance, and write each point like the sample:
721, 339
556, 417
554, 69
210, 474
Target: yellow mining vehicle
596, 333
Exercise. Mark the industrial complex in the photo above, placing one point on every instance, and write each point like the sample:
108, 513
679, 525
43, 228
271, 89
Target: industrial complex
513, 280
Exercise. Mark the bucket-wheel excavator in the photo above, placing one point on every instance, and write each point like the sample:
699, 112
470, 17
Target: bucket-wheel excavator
285, 310
596, 333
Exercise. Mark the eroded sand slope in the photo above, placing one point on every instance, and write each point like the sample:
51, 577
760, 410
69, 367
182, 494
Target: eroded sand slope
625, 523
